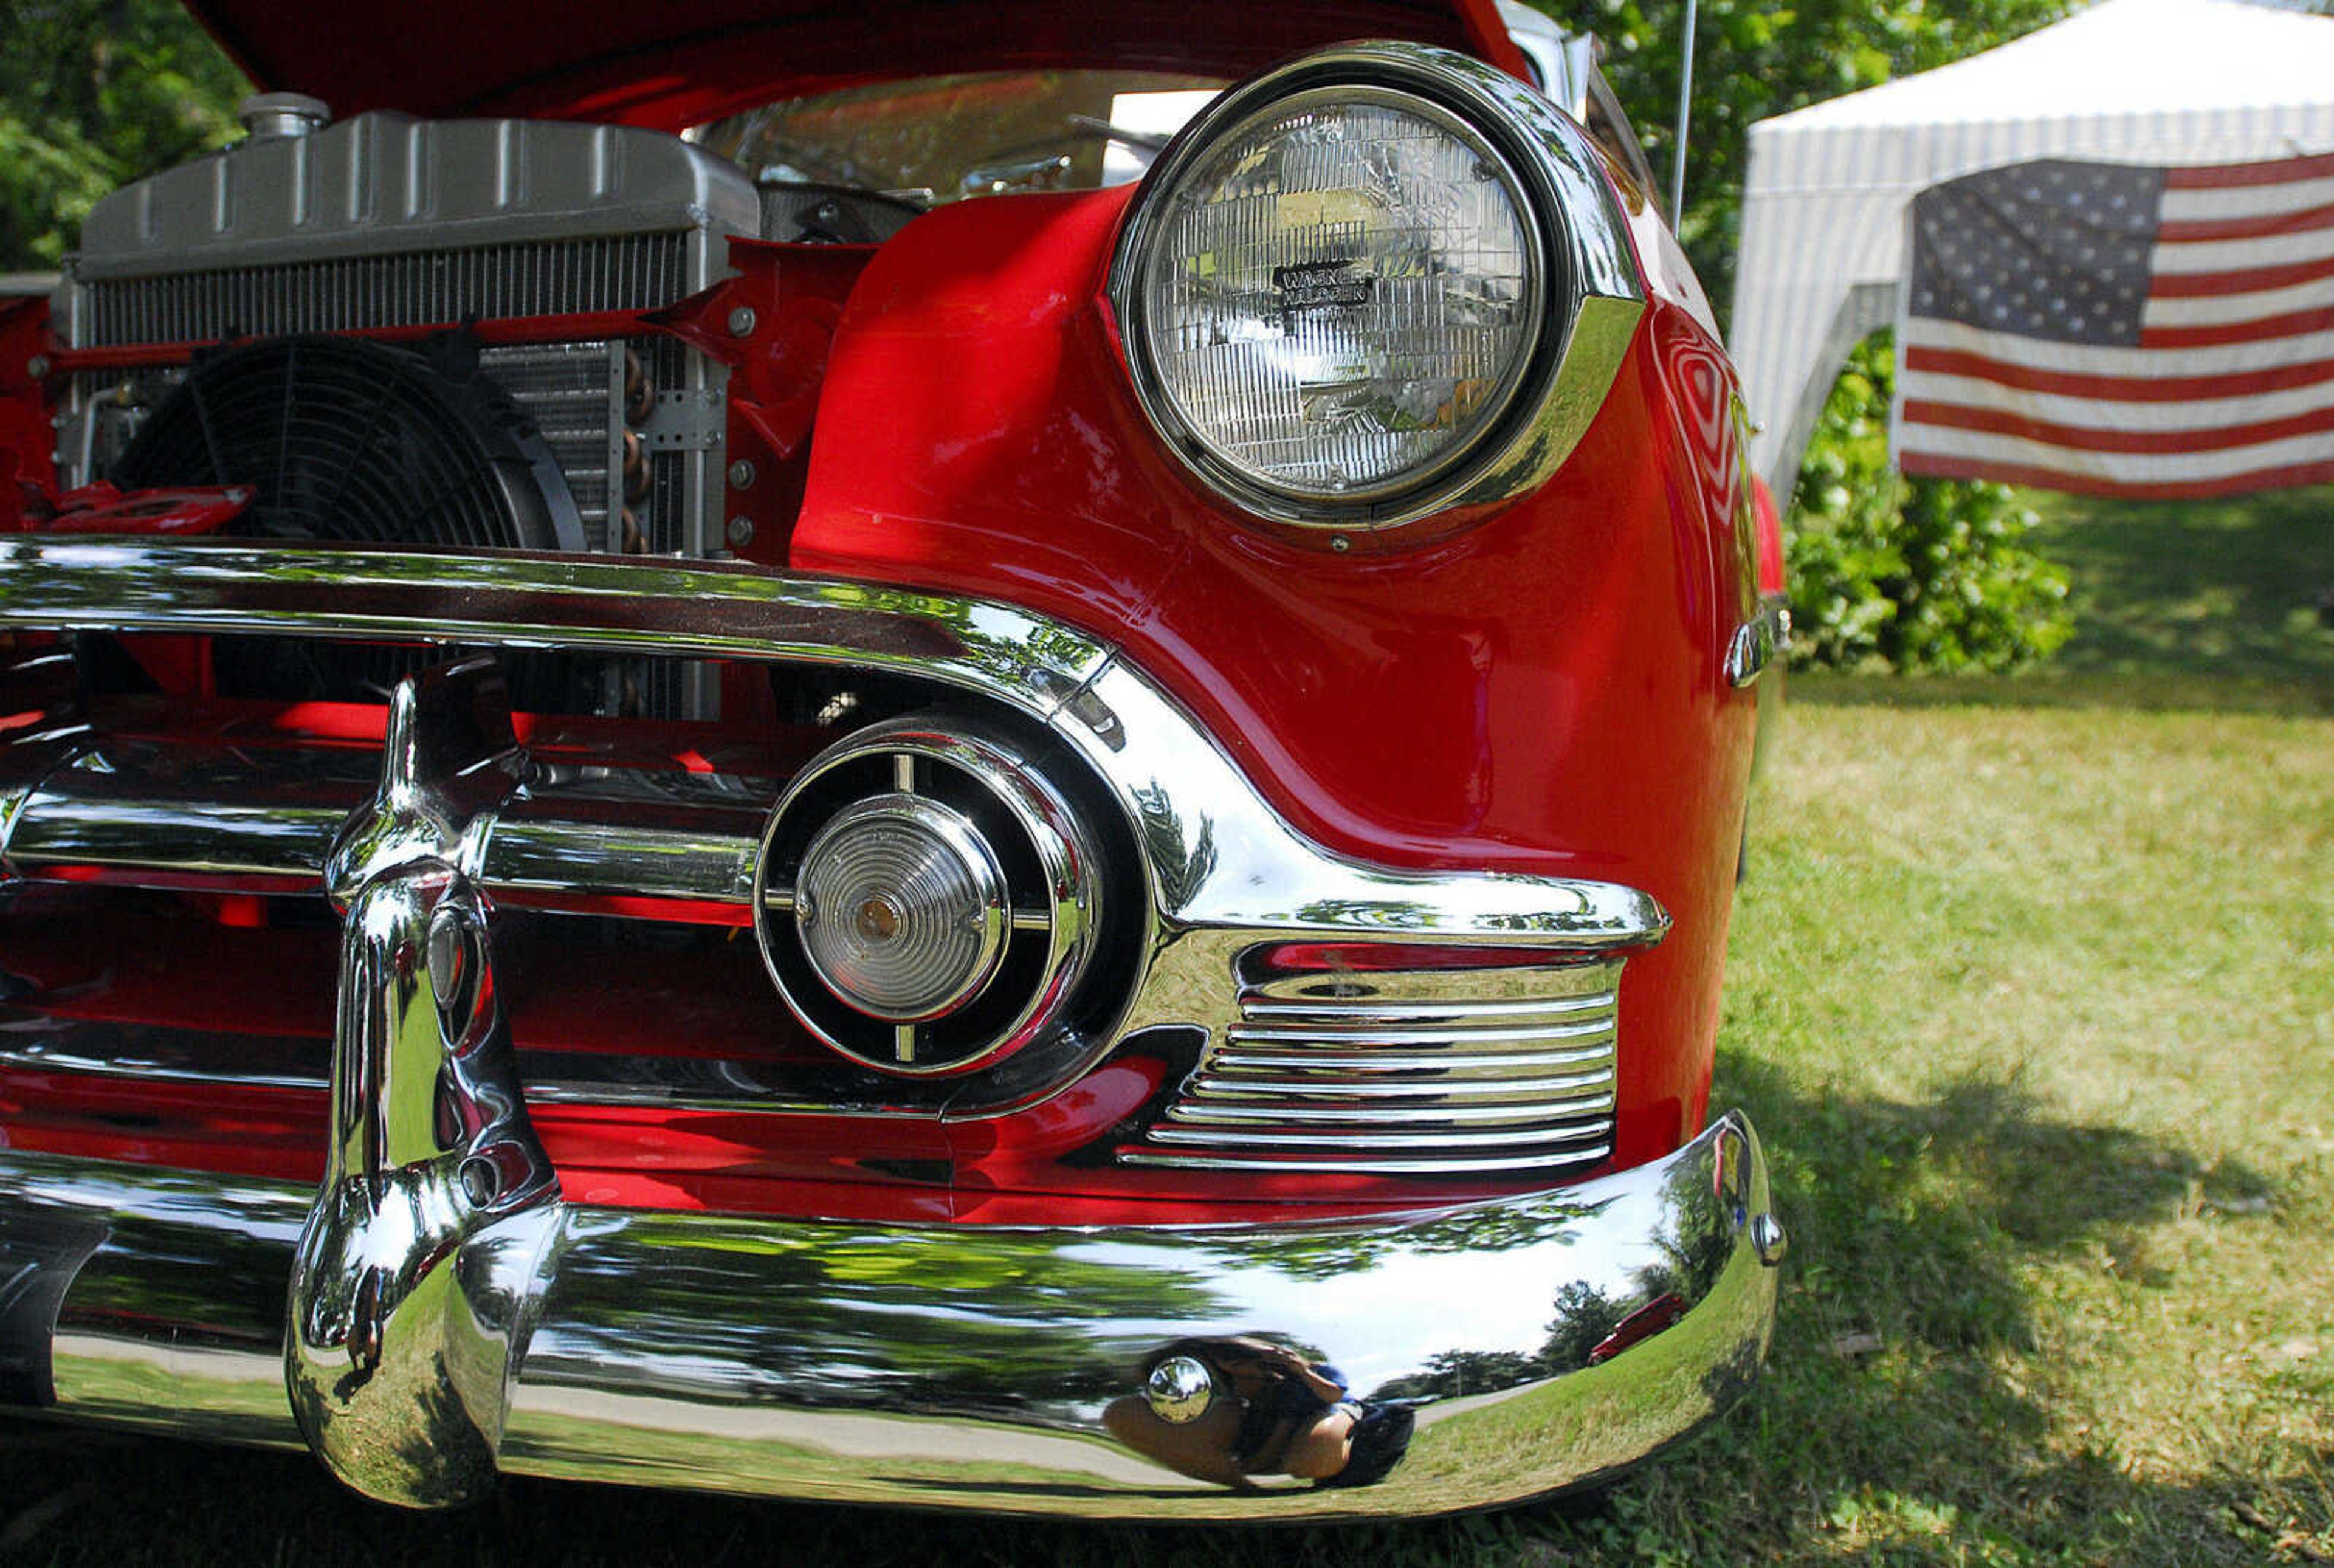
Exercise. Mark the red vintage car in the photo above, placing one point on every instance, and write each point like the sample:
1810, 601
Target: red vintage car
723, 766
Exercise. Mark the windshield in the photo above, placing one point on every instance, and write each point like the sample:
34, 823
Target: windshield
941, 137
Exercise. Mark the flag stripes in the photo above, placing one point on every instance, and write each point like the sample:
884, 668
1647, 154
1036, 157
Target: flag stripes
2123, 330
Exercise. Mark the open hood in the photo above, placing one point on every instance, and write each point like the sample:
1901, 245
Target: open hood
671, 63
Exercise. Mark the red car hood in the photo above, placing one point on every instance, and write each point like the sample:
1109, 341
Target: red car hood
670, 64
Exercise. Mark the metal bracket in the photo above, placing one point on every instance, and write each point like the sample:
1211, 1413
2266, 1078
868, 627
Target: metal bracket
690, 421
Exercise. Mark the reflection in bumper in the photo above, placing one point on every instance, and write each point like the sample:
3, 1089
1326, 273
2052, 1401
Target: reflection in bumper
986, 1369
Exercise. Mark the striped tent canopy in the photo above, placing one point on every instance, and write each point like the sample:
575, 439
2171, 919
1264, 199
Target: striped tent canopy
2166, 83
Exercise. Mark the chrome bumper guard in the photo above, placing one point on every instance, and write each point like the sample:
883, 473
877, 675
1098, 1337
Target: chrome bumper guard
926, 1366
438, 1315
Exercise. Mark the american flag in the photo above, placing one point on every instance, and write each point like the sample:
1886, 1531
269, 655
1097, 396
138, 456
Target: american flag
2120, 330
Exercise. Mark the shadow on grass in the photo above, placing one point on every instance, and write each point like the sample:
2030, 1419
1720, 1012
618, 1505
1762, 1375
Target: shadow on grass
2227, 587
1904, 1415
2187, 606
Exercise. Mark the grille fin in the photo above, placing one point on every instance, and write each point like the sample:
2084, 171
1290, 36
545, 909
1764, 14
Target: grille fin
415, 289
1416, 1073
564, 388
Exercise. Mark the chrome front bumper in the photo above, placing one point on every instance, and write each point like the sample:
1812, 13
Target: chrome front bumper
922, 1365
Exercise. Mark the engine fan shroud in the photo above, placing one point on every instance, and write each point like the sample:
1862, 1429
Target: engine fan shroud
343, 440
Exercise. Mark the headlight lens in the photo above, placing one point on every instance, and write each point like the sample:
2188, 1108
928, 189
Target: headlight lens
1346, 292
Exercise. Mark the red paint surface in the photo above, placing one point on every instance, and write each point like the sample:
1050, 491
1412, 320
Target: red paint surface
28, 469
1541, 692
1772, 576
100, 508
675, 64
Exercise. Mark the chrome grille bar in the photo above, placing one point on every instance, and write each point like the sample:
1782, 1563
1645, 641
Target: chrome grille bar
1399, 1072
674, 609
126, 814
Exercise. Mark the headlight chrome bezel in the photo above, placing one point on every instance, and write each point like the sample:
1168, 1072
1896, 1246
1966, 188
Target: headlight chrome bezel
1592, 293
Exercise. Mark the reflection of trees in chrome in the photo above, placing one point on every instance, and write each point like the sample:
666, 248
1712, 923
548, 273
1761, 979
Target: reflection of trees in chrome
1454, 1373
1498, 1227
1390, 914
1691, 1245
867, 1319
1182, 860
1585, 1316
1696, 1239
1392, 911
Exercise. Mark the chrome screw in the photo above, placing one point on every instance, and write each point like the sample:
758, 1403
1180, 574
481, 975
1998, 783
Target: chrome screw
481, 1182
740, 532
741, 322
741, 474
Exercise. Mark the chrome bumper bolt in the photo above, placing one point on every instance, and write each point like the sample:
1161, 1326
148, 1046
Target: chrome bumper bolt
1179, 1390
1767, 1240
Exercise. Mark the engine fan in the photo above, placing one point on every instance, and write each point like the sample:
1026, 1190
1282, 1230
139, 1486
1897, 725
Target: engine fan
340, 440
352, 442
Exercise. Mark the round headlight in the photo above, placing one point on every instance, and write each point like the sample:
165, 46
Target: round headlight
1344, 292
1352, 291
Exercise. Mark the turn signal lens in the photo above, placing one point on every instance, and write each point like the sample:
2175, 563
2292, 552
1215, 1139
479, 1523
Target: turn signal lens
1343, 293
901, 908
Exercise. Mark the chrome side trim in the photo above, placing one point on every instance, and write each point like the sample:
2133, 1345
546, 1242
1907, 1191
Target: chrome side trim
1230, 877
1220, 860
1759, 641
961, 1367
1372, 1071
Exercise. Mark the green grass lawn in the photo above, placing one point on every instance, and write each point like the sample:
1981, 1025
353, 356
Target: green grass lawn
2031, 993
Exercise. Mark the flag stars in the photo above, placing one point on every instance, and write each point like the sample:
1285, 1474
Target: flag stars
2055, 249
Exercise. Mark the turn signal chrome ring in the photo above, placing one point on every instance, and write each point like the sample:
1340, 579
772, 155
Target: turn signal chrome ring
925, 899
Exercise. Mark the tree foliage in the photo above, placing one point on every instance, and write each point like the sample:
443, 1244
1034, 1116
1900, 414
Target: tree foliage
1755, 59
1909, 575
94, 94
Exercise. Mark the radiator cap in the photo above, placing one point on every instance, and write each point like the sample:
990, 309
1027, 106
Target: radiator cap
280, 116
